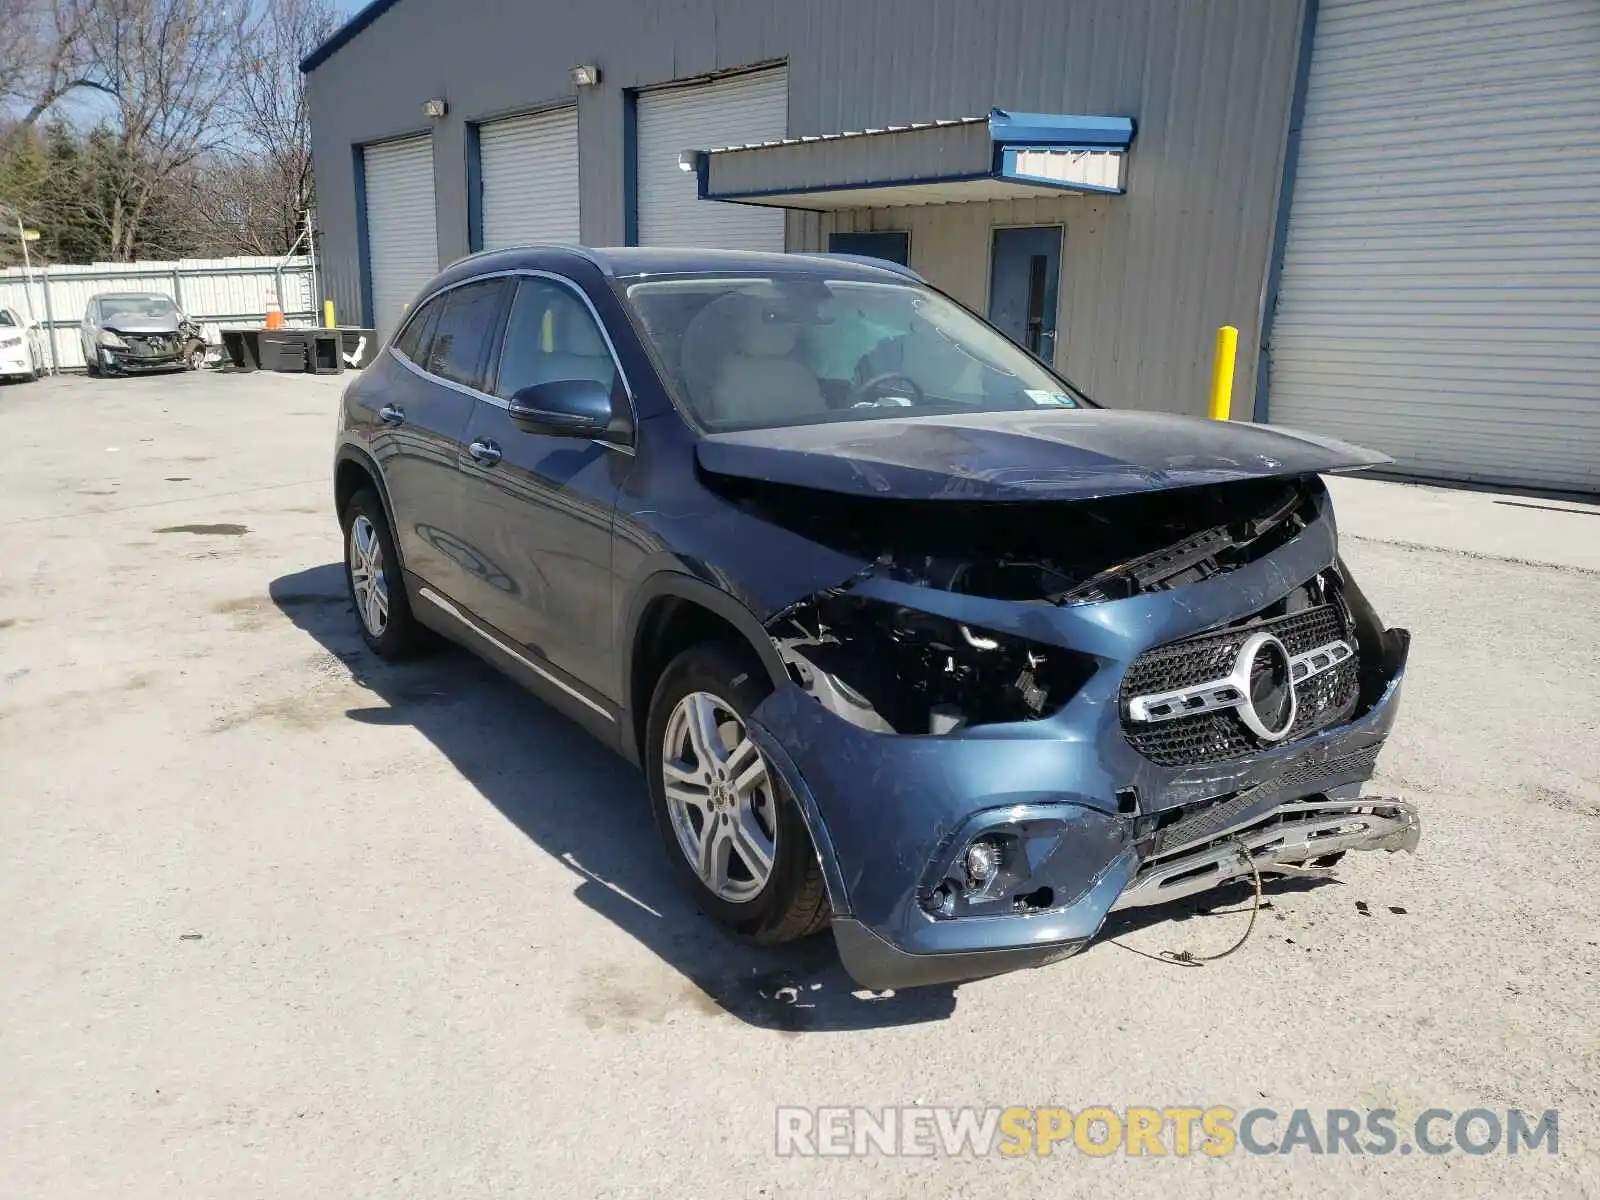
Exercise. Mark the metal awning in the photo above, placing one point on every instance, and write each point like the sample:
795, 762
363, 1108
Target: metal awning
1001, 156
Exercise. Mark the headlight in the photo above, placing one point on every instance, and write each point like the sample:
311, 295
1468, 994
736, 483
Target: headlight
892, 669
107, 338
7, 343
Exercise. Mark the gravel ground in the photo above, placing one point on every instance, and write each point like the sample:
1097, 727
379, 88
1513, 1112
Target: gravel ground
283, 921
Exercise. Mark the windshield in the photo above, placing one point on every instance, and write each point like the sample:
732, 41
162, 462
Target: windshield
140, 307
747, 352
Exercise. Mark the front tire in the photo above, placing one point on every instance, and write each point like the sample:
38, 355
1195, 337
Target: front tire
377, 587
733, 832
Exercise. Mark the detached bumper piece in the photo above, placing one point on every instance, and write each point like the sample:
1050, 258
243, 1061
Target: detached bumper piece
1295, 834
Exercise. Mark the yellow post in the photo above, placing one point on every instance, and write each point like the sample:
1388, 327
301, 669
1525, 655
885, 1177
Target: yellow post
327, 315
1222, 372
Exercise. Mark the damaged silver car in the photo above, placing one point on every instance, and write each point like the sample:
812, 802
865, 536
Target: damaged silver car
126, 332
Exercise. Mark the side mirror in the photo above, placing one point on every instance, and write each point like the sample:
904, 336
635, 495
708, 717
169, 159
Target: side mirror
564, 407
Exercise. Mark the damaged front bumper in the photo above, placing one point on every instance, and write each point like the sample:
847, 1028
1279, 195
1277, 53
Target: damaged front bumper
1293, 834
1083, 860
1083, 823
130, 362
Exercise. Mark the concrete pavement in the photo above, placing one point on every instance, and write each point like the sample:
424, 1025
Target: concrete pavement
281, 920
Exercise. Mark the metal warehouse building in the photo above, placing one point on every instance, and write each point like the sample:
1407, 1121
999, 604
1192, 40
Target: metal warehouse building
1397, 202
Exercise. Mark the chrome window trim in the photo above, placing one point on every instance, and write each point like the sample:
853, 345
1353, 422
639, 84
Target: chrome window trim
517, 273
497, 402
445, 606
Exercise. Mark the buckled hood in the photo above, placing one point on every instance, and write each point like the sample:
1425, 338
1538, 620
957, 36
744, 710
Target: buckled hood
1056, 455
142, 325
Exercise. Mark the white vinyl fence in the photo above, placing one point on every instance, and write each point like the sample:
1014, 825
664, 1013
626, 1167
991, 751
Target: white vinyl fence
216, 291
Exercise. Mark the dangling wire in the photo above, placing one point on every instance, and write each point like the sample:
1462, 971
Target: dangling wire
1192, 959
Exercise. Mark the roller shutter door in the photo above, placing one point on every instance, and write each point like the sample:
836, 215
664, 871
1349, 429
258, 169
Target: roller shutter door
1440, 297
402, 235
728, 112
529, 172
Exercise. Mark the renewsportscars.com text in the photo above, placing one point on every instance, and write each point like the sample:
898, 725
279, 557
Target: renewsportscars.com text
1213, 1131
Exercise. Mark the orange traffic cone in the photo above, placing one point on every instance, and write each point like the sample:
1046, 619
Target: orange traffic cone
274, 311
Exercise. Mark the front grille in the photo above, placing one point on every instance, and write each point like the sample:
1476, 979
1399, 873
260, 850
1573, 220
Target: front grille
151, 345
1218, 736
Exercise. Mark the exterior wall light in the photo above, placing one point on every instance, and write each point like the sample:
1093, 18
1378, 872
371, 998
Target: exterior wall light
434, 108
585, 76
688, 160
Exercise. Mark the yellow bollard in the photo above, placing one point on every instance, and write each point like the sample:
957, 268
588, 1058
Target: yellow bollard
1222, 372
327, 315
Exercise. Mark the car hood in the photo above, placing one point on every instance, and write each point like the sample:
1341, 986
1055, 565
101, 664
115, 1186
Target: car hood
1058, 455
142, 325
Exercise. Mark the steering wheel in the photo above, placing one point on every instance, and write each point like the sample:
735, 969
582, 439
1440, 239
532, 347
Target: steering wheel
863, 393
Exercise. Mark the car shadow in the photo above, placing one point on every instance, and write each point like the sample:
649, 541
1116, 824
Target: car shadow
585, 806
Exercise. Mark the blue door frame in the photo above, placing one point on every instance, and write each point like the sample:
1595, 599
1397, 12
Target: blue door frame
1024, 286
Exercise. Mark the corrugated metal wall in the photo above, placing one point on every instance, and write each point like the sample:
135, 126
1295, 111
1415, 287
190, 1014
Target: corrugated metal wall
530, 178
402, 245
1441, 285
221, 290
1148, 276
729, 112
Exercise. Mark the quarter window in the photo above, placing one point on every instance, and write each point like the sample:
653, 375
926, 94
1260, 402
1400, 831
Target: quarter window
551, 335
414, 338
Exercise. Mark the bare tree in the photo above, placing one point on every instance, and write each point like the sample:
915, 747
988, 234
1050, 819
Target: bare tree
164, 65
197, 135
270, 109
41, 56
251, 195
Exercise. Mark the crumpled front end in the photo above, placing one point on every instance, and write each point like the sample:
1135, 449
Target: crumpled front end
996, 749
144, 351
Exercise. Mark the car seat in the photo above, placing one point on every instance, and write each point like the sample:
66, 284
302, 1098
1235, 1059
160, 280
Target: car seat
739, 365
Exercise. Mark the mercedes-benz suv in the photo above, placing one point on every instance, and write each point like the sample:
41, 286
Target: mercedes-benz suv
909, 637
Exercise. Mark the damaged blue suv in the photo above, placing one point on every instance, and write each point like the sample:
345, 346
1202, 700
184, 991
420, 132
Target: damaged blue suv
909, 637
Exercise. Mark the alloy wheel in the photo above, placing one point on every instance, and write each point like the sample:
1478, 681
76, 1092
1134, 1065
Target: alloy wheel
720, 797
368, 583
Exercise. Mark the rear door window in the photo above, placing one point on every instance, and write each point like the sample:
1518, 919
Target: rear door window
459, 350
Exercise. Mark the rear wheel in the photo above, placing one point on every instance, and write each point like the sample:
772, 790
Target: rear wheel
372, 572
729, 825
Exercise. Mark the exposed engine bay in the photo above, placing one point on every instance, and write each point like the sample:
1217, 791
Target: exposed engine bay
891, 668
1049, 552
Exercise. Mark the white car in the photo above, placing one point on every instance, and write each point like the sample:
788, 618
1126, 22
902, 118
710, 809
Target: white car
22, 352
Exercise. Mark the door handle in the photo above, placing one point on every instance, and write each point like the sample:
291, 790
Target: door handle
484, 453
392, 414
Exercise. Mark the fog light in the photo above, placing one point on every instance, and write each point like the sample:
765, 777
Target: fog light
983, 862
941, 902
